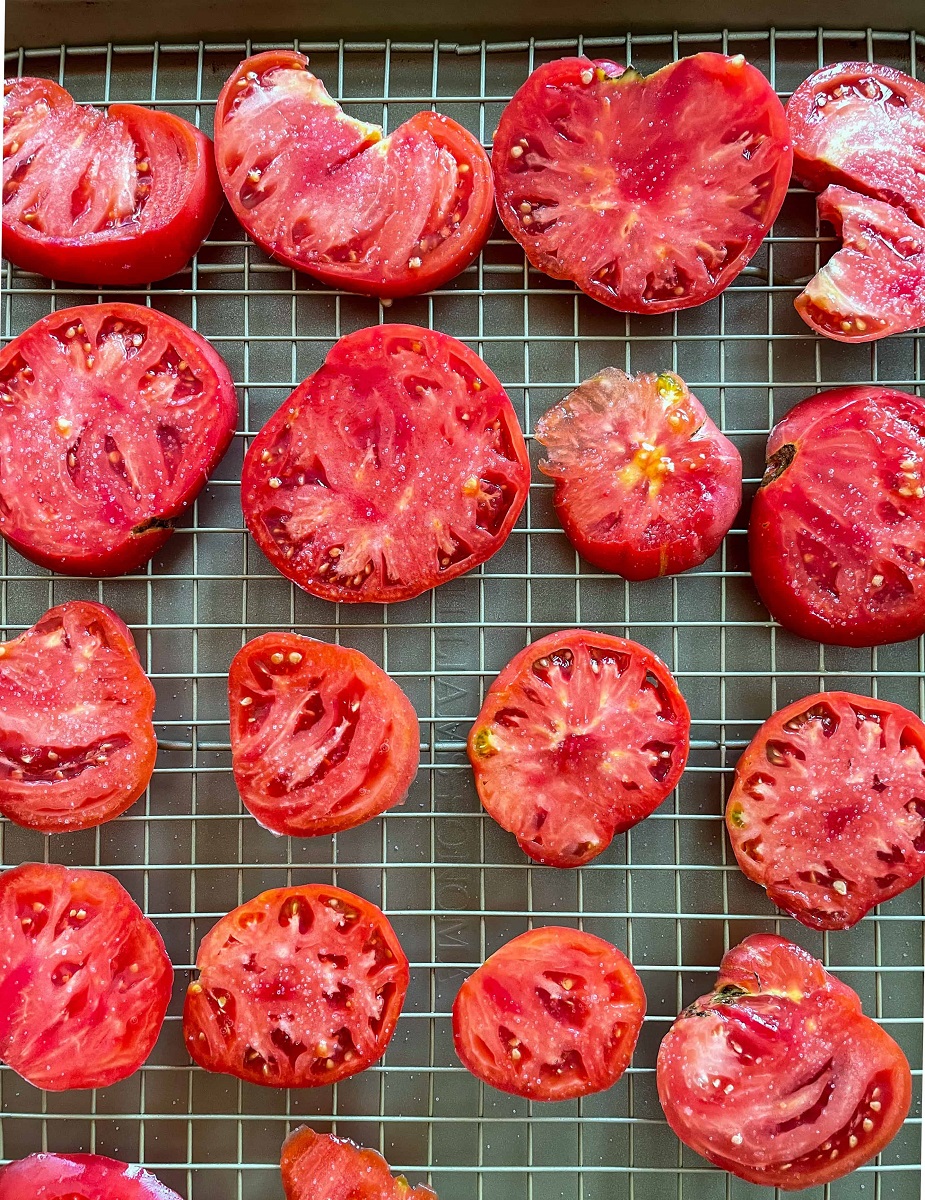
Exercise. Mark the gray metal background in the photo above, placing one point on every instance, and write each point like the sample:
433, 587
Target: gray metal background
454, 885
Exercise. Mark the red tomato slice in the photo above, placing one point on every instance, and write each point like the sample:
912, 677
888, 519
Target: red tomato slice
84, 978
777, 1076
330, 195
646, 485
553, 1014
580, 737
77, 745
398, 465
112, 417
650, 193
321, 738
298, 987
79, 1177
837, 528
317, 1164
126, 197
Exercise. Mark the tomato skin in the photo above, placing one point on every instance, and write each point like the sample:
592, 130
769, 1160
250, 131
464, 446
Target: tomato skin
809, 1087
317, 1164
544, 747
297, 128
554, 1014
49, 1176
349, 764
153, 248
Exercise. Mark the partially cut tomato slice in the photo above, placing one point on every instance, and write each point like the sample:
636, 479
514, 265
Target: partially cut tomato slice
79, 1177
317, 1164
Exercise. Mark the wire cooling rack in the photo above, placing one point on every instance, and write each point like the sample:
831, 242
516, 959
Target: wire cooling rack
455, 886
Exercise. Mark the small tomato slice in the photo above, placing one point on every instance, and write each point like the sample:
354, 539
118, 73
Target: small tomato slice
397, 466
580, 737
122, 197
317, 1164
84, 978
837, 527
646, 485
777, 1075
324, 193
321, 738
827, 812
79, 1177
299, 987
650, 193
554, 1014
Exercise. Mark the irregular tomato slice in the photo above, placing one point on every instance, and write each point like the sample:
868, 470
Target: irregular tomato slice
112, 417
84, 978
777, 1076
317, 1164
553, 1014
650, 193
580, 737
77, 745
324, 193
646, 485
127, 196
299, 987
397, 466
321, 738
837, 528
79, 1177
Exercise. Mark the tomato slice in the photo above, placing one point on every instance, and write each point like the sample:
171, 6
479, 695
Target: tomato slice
321, 738
125, 197
580, 737
324, 193
77, 744
827, 811
554, 1014
84, 978
646, 485
777, 1075
112, 417
398, 465
299, 987
79, 1177
837, 528
317, 1164
651, 193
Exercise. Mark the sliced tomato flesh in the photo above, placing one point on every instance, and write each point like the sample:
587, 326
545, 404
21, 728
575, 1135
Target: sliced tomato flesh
49, 1176
317, 1164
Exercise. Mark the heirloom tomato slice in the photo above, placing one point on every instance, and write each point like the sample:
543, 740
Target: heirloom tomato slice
317, 1164
78, 1177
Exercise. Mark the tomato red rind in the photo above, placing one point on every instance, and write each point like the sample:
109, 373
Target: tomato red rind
341, 1170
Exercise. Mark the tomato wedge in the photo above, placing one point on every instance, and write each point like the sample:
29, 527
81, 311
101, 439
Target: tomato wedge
651, 193
777, 1075
79, 1177
84, 978
324, 193
112, 417
127, 196
646, 485
397, 466
321, 738
77, 744
837, 528
317, 1164
299, 987
554, 1014
580, 737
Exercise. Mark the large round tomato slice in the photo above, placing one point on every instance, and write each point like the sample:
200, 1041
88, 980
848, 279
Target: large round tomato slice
299, 987
333, 196
580, 737
321, 738
127, 196
646, 485
837, 529
112, 417
84, 978
79, 1177
77, 744
827, 811
398, 465
650, 193
777, 1076
317, 1164
553, 1014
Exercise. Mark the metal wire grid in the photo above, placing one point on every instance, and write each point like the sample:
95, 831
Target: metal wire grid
454, 885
